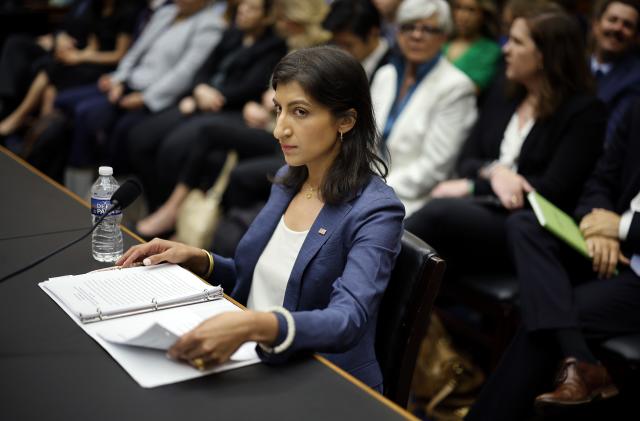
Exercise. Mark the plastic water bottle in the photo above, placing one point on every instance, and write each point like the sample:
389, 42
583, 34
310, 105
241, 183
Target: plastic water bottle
106, 240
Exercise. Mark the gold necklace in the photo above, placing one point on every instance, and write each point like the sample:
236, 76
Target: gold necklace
309, 193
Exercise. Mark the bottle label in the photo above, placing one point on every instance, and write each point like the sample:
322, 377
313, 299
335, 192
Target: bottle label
100, 206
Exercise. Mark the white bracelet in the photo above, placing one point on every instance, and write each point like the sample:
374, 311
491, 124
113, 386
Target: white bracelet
291, 331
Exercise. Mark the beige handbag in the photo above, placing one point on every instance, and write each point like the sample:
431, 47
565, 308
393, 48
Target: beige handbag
200, 213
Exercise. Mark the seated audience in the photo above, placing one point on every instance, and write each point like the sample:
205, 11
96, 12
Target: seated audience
355, 27
24, 55
109, 24
568, 299
473, 48
237, 71
424, 105
250, 136
314, 265
153, 75
614, 61
546, 136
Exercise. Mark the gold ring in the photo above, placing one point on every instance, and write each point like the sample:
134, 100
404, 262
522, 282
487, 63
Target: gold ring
514, 199
198, 363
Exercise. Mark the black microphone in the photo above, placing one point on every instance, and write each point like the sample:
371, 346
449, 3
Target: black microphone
120, 199
126, 194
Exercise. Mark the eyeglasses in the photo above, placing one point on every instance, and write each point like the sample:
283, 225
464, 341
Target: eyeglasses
410, 28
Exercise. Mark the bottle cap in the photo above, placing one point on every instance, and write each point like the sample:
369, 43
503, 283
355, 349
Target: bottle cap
105, 171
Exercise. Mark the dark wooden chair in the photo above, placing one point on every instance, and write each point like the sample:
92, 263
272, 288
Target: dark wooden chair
404, 314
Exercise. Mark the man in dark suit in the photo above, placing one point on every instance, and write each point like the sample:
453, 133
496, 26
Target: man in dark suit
566, 299
355, 27
614, 62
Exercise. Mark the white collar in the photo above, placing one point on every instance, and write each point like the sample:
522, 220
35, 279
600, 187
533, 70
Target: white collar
370, 63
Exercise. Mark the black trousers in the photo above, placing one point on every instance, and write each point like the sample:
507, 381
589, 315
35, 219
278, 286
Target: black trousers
557, 290
19, 64
468, 234
158, 148
218, 137
250, 182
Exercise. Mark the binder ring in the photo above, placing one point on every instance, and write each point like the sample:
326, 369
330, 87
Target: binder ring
207, 296
99, 313
155, 303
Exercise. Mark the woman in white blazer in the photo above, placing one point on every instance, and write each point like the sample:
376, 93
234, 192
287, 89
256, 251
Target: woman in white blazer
424, 106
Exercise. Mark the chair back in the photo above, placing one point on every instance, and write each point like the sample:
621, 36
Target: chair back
404, 314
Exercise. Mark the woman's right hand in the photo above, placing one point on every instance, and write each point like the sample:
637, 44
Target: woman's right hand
509, 186
452, 188
163, 251
105, 82
208, 98
255, 115
115, 92
187, 105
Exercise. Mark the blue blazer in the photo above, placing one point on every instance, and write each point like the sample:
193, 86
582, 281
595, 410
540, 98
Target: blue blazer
338, 278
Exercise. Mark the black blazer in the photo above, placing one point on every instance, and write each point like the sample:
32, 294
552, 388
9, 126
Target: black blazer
556, 157
248, 73
616, 179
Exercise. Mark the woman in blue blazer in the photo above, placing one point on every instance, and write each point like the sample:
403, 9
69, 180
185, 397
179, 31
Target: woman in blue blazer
316, 261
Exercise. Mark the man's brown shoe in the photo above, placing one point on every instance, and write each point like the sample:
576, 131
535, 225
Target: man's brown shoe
578, 383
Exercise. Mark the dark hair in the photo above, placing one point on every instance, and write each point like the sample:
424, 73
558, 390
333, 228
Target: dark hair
489, 10
355, 16
336, 80
602, 6
564, 65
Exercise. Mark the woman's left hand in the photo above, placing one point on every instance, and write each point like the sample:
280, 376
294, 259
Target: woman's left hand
132, 101
214, 340
509, 186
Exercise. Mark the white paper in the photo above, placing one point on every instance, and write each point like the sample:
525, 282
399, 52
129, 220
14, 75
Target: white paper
114, 292
164, 332
150, 367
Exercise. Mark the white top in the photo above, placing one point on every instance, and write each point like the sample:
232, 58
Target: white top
370, 63
512, 141
272, 272
625, 221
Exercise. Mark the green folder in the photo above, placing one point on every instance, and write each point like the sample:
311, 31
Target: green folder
559, 223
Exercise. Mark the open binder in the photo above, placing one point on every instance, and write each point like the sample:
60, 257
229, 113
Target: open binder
161, 303
103, 295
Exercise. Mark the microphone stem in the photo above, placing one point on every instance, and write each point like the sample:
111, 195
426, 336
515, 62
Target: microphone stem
66, 246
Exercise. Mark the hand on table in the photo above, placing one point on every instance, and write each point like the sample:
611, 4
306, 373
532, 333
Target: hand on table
163, 251
214, 340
